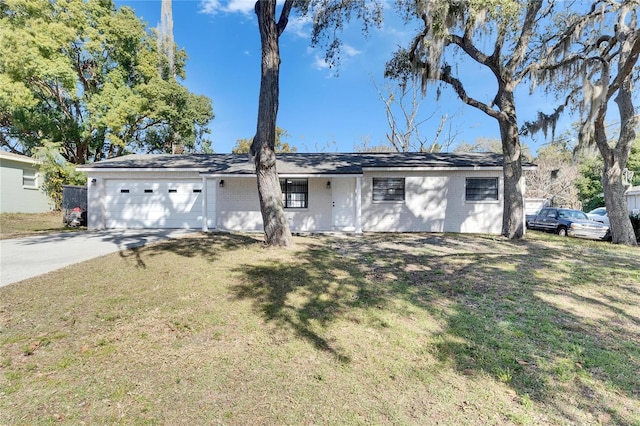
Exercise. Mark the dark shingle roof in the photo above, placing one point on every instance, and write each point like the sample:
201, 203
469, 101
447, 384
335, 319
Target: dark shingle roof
299, 163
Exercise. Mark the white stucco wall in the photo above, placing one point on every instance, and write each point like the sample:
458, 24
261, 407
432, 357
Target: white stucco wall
434, 202
633, 200
239, 207
14, 196
234, 206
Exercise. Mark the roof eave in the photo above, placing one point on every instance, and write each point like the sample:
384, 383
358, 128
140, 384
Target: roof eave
140, 169
25, 160
430, 168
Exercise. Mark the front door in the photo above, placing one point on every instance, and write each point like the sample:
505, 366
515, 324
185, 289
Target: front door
343, 193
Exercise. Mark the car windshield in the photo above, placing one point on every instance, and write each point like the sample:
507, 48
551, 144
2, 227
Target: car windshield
578, 214
600, 211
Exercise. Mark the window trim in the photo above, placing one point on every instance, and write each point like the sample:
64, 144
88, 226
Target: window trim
388, 194
287, 201
30, 175
487, 199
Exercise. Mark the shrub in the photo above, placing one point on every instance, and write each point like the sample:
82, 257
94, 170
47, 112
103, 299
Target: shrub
635, 222
56, 172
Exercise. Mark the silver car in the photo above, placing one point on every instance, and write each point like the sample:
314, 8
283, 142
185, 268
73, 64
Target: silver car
599, 215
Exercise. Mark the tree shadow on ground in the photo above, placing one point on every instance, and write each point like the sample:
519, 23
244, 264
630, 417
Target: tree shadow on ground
555, 320
539, 324
514, 312
203, 245
308, 295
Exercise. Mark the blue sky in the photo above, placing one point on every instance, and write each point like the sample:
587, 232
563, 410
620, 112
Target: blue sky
319, 110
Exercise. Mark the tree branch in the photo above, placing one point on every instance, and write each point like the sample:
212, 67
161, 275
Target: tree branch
446, 77
284, 16
524, 39
466, 44
626, 68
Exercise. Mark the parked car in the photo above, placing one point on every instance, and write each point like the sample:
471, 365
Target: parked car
573, 223
599, 215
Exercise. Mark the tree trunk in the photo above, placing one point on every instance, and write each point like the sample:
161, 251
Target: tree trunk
616, 203
513, 212
615, 160
276, 228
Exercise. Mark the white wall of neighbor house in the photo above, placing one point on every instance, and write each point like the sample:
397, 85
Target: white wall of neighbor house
20, 188
633, 199
434, 202
533, 205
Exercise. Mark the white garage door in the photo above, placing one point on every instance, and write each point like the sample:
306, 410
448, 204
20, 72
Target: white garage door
153, 204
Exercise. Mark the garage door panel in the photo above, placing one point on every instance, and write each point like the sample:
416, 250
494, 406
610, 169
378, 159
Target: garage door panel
153, 204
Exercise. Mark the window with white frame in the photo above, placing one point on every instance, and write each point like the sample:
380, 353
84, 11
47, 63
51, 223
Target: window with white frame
30, 178
481, 189
295, 193
388, 189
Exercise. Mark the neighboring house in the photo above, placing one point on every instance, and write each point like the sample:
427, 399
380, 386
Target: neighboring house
534, 205
633, 199
380, 192
20, 185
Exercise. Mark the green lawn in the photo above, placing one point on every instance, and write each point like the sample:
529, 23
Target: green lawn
18, 225
404, 329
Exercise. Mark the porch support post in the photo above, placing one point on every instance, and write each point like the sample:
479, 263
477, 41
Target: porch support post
358, 205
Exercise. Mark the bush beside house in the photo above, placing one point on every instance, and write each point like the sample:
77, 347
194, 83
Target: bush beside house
635, 222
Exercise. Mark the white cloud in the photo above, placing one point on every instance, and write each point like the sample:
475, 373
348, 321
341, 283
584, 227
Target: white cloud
299, 26
242, 6
319, 63
350, 51
212, 7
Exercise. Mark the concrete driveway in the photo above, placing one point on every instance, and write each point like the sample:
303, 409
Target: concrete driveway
32, 256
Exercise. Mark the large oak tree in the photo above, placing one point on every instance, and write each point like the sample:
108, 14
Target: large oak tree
506, 29
595, 61
83, 77
329, 17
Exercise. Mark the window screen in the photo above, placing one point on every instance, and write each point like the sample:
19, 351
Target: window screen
295, 193
481, 189
388, 189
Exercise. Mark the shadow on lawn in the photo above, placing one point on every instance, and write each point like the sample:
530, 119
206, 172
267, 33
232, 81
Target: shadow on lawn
308, 295
557, 330
205, 245
515, 312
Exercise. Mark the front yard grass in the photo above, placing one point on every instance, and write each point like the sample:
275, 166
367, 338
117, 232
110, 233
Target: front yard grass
374, 329
18, 225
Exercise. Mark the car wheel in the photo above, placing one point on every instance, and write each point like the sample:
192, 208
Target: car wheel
562, 231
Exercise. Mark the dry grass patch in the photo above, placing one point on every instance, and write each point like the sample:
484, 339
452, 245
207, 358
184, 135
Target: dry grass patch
373, 329
18, 225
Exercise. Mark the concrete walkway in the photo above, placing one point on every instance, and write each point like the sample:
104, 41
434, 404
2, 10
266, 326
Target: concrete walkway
32, 256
